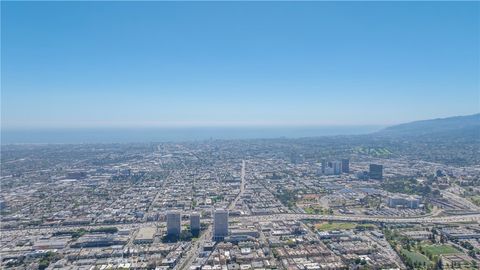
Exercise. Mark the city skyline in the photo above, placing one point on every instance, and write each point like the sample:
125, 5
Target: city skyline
240, 135
155, 64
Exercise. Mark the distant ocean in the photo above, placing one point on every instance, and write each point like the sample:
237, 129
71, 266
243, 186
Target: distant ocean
125, 135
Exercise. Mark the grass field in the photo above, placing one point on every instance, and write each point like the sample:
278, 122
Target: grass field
335, 226
313, 210
435, 250
416, 257
475, 200
372, 151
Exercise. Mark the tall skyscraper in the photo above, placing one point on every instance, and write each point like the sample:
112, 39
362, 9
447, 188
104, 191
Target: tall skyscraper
345, 165
195, 223
324, 165
173, 223
376, 172
337, 167
220, 224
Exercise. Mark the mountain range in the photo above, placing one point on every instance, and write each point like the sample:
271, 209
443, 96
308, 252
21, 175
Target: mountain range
467, 126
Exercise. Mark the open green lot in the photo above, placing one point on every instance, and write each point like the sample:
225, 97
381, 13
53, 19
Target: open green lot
334, 226
475, 199
435, 250
315, 210
372, 151
416, 258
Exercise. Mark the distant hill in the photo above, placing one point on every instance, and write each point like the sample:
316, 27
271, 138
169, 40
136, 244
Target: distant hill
464, 127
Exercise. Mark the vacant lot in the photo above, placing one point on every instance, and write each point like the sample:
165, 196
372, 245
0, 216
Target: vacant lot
416, 258
435, 250
372, 151
475, 199
335, 226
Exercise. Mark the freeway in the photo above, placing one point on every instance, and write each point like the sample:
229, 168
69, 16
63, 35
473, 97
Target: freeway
425, 220
276, 217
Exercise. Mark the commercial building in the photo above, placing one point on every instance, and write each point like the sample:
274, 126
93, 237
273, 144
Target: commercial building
173, 223
195, 223
247, 232
337, 167
403, 201
461, 233
324, 165
455, 261
345, 165
54, 243
329, 170
99, 240
145, 235
331, 167
376, 172
220, 224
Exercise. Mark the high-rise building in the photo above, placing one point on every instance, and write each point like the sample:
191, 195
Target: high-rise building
329, 170
345, 165
324, 165
173, 223
195, 223
376, 172
337, 167
220, 224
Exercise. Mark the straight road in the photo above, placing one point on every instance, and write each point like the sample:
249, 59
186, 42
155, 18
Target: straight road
242, 187
195, 249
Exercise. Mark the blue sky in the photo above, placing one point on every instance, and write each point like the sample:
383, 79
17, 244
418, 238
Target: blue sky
126, 64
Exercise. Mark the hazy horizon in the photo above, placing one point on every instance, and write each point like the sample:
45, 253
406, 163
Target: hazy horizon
180, 133
171, 134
